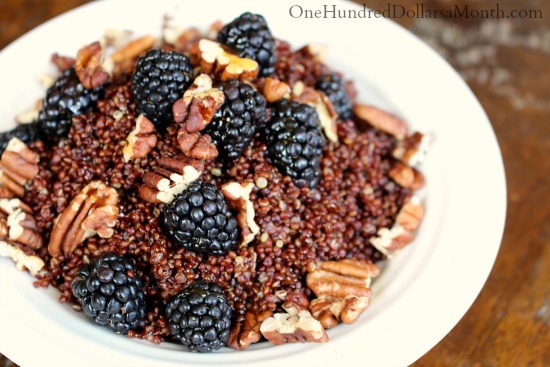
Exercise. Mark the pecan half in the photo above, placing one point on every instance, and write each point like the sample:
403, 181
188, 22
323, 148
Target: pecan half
247, 332
93, 211
22, 261
20, 223
141, 140
213, 59
169, 179
293, 327
238, 197
89, 66
196, 145
18, 165
62, 62
382, 120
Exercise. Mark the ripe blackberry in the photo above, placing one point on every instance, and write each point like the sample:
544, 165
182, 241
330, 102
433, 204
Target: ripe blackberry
235, 123
199, 220
333, 86
159, 80
295, 141
250, 37
66, 98
200, 317
27, 133
110, 293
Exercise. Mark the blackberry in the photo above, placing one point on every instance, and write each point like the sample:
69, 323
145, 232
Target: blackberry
199, 220
333, 86
27, 133
200, 317
66, 98
159, 80
235, 123
295, 141
110, 293
250, 37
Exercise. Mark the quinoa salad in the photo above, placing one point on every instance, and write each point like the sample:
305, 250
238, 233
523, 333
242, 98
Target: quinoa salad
212, 188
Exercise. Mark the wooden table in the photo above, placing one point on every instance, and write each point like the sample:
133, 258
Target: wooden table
506, 62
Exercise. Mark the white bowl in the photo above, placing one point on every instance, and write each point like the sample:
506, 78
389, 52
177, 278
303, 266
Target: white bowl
420, 295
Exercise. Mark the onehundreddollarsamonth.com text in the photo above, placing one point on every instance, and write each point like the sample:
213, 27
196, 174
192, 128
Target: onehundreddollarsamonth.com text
418, 10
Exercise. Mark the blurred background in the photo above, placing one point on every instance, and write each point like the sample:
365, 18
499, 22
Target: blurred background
506, 62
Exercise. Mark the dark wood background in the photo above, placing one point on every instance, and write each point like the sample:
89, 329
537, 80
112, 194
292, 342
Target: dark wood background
506, 62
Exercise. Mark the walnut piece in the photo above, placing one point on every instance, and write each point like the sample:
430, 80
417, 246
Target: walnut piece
62, 62
18, 165
133, 49
274, 89
316, 51
141, 140
238, 197
93, 211
22, 261
20, 223
412, 150
390, 241
406, 176
293, 327
169, 179
213, 59
247, 332
382, 120
90, 67
323, 106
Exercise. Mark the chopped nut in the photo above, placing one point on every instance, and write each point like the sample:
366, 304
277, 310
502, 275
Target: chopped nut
141, 140
172, 177
390, 241
20, 223
247, 332
93, 211
22, 261
316, 51
213, 59
382, 120
89, 66
330, 311
406, 176
18, 165
412, 150
133, 49
293, 328
62, 62
198, 105
323, 106
238, 197
274, 89
352, 268
196, 145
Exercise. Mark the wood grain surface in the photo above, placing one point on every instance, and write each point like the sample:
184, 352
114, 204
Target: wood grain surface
506, 62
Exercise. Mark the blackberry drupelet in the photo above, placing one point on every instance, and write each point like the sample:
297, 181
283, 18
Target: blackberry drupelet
66, 98
27, 133
250, 37
333, 86
110, 292
199, 220
200, 317
235, 123
159, 80
295, 141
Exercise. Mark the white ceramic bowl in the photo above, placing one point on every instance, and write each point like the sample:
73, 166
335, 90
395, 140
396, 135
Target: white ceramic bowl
420, 295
